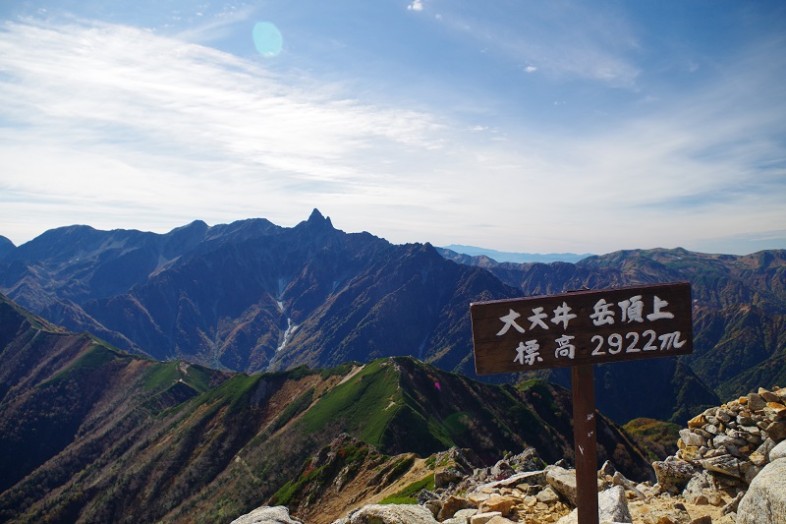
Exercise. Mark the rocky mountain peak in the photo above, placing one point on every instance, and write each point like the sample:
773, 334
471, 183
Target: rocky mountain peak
196, 225
186, 237
317, 228
317, 219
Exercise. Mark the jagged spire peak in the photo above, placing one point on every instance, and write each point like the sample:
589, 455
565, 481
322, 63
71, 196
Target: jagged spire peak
318, 218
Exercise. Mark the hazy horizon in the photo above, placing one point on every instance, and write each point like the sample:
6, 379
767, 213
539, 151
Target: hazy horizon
498, 255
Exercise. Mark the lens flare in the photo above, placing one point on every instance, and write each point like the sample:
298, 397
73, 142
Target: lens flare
267, 39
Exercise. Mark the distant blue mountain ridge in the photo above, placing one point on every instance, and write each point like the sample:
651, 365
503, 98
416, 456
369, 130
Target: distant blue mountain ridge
519, 258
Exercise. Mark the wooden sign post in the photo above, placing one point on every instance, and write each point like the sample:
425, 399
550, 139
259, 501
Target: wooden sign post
578, 330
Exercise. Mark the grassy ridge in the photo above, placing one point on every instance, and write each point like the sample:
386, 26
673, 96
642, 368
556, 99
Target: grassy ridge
93, 359
365, 404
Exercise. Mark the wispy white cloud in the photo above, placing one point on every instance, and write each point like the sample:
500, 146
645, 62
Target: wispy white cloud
214, 27
706, 163
115, 110
567, 40
185, 96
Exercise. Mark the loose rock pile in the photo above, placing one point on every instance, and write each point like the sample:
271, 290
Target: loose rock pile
519, 489
730, 467
727, 446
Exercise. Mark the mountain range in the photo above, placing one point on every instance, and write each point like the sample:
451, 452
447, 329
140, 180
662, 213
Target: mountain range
89, 433
253, 296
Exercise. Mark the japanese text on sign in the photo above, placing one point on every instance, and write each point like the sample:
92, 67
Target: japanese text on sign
582, 327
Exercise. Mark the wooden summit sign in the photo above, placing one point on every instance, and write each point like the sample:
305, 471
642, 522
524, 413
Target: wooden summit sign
583, 327
578, 330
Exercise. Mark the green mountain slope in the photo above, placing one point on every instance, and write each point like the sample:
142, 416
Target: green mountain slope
91, 434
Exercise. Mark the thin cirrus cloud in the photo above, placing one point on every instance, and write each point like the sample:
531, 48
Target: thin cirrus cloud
126, 102
685, 170
190, 95
565, 40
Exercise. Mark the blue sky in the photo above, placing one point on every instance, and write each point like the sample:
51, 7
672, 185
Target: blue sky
527, 126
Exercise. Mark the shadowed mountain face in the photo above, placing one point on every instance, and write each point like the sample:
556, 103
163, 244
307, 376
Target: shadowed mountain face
89, 433
254, 296
251, 295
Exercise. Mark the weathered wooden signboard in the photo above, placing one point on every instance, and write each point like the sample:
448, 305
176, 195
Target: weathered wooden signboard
584, 327
580, 329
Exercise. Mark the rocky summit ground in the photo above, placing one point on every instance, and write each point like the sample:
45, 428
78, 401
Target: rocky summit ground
730, 468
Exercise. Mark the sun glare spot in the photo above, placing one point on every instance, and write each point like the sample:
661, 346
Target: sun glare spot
267, 39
